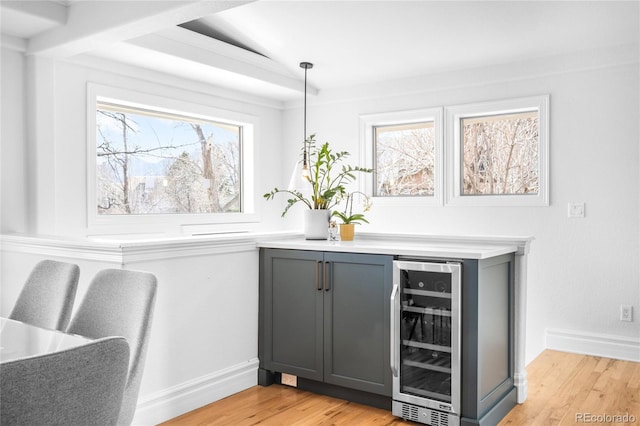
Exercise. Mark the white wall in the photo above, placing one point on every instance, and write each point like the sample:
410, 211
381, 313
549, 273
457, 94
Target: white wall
580, 270
13, 170
53, 200
206, 323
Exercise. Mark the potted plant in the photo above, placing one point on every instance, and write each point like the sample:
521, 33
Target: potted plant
350, 219
327, 179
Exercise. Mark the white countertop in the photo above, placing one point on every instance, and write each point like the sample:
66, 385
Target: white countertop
146, 248
458, 247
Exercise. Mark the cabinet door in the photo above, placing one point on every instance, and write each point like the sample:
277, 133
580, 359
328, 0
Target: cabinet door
291, 312
356, 321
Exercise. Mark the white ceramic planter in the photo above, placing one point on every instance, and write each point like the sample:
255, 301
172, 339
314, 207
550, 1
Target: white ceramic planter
316, 224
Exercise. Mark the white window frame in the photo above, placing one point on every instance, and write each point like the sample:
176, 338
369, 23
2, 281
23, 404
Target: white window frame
183, 223
453, 117
367, 124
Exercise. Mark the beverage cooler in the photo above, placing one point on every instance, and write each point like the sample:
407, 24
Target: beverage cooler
425, 341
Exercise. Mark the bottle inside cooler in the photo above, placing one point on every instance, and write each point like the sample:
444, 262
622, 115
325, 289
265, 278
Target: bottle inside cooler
426, 334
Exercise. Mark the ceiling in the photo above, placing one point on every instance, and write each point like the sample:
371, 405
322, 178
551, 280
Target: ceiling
256, 46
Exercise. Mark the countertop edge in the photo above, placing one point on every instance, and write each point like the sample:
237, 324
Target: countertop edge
463, 247
416, 245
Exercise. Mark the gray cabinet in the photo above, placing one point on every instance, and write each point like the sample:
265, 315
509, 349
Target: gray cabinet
488, 391
324, 316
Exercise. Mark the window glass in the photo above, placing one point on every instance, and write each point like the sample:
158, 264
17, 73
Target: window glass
404, 159
153, 162
404, 149
500, 154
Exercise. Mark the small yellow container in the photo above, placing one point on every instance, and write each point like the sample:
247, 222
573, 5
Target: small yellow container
346, 231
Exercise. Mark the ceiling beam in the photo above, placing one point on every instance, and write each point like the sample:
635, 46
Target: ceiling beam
13, 43
185, 45
94, 24
49, 11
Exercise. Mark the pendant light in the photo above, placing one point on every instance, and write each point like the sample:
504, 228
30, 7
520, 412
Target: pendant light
305, 151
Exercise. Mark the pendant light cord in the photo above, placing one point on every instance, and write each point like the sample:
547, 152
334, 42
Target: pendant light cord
305, 154
305, 106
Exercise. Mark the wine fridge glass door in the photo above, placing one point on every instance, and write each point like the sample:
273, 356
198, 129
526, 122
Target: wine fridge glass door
427, 334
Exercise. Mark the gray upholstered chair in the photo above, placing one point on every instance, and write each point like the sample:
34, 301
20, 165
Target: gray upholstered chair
47, 297
78, 386
120, 303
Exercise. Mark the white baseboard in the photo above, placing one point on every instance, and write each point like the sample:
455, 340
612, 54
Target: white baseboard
176, 400
617, 347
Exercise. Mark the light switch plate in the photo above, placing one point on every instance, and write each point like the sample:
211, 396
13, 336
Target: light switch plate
626, 313
576, 210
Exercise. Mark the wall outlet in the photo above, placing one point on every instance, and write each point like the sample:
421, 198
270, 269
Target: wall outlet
626, 313
289, 380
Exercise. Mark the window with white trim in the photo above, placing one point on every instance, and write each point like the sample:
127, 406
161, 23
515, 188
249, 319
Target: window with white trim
152, 162
155, 160
498, 153
404, 149
404, 159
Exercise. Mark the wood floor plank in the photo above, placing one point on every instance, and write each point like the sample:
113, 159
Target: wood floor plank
634, 381
574, 392
562, 386
595, 386
548, 377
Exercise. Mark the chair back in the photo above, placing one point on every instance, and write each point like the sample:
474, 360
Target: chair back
120, 302
77, 386
47, 297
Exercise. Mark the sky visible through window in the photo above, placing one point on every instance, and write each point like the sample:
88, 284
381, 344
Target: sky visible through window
154, 163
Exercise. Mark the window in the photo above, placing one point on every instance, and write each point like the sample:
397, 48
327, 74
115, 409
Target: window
404, 159
498, 153
156, 162
151, 162
404, 149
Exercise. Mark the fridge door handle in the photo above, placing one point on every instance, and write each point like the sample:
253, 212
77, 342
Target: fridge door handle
394, 326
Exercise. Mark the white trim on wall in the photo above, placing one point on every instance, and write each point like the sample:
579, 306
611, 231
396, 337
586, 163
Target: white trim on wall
604, 345
126, 252
176, 400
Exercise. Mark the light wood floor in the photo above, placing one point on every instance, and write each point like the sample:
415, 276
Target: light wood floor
562, 387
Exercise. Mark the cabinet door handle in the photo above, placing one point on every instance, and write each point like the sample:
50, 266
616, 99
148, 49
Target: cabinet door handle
326, 282
318, 282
